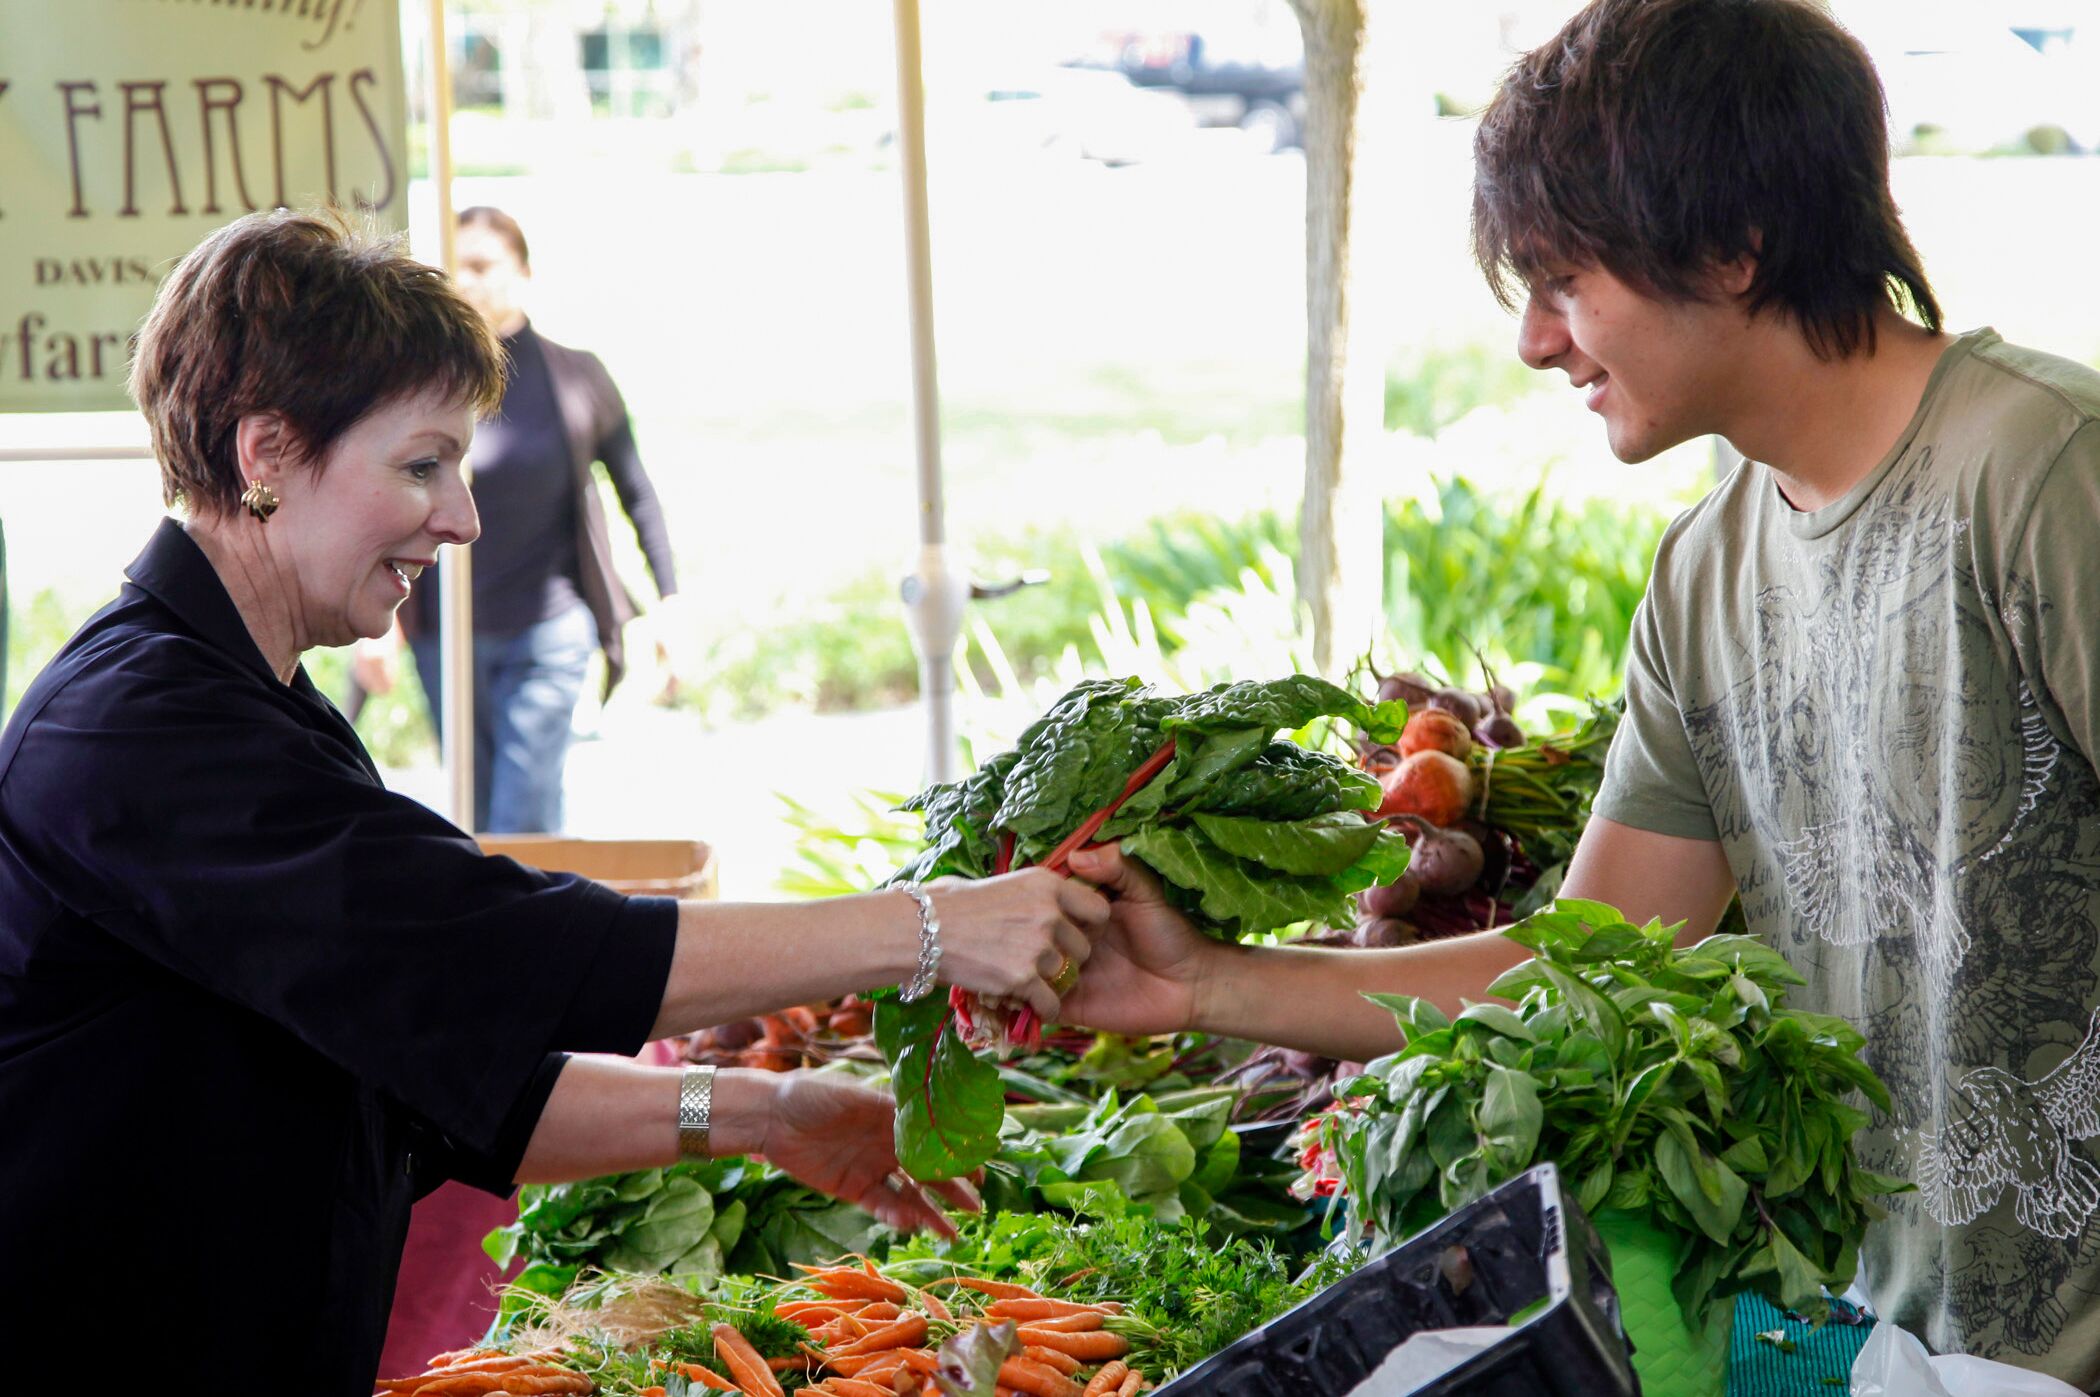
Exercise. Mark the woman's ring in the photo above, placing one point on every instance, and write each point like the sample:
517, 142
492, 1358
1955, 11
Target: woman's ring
1066, 977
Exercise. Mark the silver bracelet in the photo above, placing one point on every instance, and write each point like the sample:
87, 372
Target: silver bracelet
696, 1105
929, 944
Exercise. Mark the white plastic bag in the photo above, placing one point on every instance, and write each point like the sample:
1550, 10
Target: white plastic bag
1427, 1356
1893, 1363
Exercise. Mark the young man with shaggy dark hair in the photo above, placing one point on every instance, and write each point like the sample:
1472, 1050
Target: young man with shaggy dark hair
1861, 690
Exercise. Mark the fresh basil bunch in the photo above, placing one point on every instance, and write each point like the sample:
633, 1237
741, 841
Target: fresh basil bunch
1655, 1078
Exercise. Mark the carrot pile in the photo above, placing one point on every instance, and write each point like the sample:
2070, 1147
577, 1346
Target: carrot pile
872, 1336
478, 1371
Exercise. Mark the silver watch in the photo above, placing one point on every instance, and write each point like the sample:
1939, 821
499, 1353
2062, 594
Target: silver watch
696, 1103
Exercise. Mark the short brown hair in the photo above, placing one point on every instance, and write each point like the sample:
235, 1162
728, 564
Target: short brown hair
304, 315
1660, 138
502, 225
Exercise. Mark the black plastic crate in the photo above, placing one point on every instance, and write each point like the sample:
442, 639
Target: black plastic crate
1491, 1259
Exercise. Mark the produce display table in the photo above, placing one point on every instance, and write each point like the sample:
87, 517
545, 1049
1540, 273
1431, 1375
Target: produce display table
445, 1295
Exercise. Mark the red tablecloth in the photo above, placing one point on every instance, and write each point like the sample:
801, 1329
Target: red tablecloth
445, 1296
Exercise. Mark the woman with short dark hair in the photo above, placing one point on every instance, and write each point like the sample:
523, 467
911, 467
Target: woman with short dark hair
252, 1004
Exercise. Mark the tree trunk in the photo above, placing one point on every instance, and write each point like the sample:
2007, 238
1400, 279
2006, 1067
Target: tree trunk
1341, 563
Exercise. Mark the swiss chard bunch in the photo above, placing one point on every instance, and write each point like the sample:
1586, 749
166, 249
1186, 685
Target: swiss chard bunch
1248, 831
1671, 1081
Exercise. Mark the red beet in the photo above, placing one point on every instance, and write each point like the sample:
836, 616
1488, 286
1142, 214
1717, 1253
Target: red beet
1467, 708
1411, 689
1381, 932
1433, 785
1434, 730
1446, 861
1394, 899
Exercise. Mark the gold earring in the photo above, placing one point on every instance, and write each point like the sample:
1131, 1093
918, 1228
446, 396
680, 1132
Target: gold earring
260, 500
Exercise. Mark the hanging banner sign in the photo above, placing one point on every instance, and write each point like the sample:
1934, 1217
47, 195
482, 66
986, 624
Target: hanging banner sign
129, 129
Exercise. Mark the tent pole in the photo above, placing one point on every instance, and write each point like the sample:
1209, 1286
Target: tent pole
456, 576
934, 595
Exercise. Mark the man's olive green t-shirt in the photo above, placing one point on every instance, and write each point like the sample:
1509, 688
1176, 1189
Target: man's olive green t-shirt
1888, 712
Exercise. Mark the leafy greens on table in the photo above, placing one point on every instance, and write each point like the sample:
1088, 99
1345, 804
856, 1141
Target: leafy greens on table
1657, 1079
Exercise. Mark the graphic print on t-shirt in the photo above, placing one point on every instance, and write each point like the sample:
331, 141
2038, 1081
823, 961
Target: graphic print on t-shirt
1910, 824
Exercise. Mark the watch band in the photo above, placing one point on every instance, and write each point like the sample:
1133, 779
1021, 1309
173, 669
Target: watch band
696, 1101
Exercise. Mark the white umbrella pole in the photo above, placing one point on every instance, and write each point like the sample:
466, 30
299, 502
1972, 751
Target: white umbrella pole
456, 577
934, 594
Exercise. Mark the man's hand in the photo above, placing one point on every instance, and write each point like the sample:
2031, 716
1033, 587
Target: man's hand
838, 1138
1149, 965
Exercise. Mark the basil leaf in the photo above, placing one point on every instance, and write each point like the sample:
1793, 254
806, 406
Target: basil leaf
1710, 1191
1510, 1117
1500, 1018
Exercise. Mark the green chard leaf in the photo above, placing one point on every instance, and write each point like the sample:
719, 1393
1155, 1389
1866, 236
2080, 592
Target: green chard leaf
1291, 703
1288, 782
1234, 892
949, 1101
1325, 846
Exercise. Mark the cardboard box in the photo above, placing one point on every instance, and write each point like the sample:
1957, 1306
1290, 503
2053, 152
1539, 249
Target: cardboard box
657, 867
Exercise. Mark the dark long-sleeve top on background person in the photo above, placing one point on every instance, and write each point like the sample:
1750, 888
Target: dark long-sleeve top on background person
545, 543
252, 1004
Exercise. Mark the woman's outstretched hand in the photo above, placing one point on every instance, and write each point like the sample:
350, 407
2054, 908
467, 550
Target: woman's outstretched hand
1150, 968
837, 1137
1007, 937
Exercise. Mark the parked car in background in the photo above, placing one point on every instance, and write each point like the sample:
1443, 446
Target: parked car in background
1238, 62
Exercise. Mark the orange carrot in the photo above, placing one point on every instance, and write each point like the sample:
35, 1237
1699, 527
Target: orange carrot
701, 1373
1079, 1323
1025, 1375
1090, 1348
462, 1384
935, 1308
781, 1365
1132, 1385
745, 1366
881, 1310
706, 1377
1036, 1307
1050, 1358
539, 1383
902, 1333
849, 1284
864, 1365
998, 1290
854, 1387
922, 1361
1108, 1380
652, 1392
803, 1311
